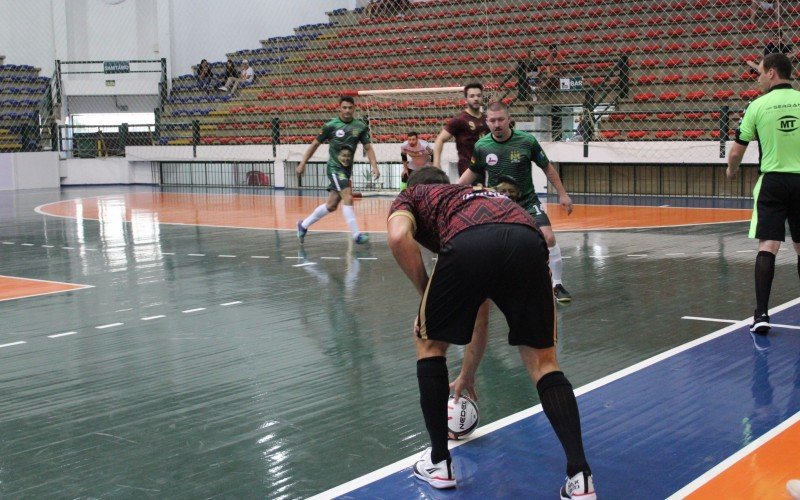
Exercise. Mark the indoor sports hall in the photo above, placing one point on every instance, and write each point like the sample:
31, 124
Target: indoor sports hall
165, 334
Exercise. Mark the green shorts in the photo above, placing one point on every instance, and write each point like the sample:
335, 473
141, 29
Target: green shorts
339, 177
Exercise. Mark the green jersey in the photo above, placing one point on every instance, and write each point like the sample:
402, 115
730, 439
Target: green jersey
339, 133
511, 157
774, 120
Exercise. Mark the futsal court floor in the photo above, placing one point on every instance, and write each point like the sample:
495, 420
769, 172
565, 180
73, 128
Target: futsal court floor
182, 344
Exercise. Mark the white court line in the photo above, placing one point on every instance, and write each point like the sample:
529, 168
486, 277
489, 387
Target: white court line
744, 251
68, 248
791, 327
57, 335
290, 257
305, 264
12, 344
566, 257
123, 310
635, 255
599, 256
48, 246
9, 243
715, 320
728, 462
194, 310
196, 254
366, 258
503, 422
90, 250
679, 253
148, 318
226, 256
103, 327
167, 253
330, 258
710, 253
259, 256
26, 244
231, 303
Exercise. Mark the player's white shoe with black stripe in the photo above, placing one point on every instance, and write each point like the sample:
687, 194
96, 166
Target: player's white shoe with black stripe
439, 475
580, 487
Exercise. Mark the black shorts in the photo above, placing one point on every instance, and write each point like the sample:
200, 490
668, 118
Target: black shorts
776, 200
507, 263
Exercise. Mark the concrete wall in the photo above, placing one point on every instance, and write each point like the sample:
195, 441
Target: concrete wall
29, 171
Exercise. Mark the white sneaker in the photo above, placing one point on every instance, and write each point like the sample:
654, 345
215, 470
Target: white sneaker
438, 475
223, 88
580, 486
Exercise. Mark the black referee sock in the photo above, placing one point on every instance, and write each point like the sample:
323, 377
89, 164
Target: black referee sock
434, 389
765, 271
561, 408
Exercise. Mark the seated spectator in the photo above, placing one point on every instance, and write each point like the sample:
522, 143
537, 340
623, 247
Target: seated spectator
550, 71
526, 72
246, 75
770, 9
205, 78
777, 46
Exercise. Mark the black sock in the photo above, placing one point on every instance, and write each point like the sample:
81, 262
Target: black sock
434, 389
798, 266
561, 408
765, 271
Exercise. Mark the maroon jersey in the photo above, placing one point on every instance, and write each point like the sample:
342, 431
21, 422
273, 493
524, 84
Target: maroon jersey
441, 211
467, 130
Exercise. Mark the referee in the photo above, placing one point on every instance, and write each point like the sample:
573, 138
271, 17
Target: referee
774, 121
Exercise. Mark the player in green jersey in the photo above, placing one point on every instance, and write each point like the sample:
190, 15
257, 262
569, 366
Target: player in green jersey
343, 132
511, 152
774, 120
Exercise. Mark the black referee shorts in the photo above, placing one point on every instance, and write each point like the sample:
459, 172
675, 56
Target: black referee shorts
776, 200
507, 263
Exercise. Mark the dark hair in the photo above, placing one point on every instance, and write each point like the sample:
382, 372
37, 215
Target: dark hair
428, 175
348, 148
507, 179
204, 61
780, 63
498, 106
412, 133
473, 85
347, 98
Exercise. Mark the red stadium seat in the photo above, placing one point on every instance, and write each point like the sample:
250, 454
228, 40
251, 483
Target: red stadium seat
724, 28
723, 94
674, 47
645, 79
654, 33
674, 61
675, 32
629, 49
637, 134
696, 95
697, 77
664, 134
638, 116
617, 117
672, 78
669, 96
665, 116
749, 42
693, 134
698, 45
655, 21
722, 76
644, 97
693, 115
650, 47
724, 59
594, 81
649, 63
749, 94
698, 61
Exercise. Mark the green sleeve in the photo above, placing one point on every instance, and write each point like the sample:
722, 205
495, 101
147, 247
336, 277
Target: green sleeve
478, 161
325, 134
747, 129
538, 155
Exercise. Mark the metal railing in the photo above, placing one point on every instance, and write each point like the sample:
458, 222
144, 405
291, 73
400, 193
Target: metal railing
215, 174
315, 176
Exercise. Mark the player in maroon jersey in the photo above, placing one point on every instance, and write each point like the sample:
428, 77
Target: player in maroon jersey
466, 127
489, 248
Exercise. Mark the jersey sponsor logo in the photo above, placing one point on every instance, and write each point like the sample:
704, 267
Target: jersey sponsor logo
340, 133
788, 123
491, 159
515, 157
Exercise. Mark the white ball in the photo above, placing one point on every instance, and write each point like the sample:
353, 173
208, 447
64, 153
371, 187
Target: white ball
793, 488
462, 417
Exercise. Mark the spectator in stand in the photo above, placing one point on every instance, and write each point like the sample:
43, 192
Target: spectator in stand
770, 9
550, 71
205, 78
777, 46
246, 75
526, 72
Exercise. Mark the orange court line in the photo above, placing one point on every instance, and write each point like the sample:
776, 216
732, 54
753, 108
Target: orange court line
283, 212
12, 287
763, 473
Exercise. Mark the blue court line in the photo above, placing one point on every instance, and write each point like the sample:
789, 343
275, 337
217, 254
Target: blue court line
649, 430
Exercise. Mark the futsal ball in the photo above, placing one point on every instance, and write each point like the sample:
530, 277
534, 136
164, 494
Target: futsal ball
462, 417
793, 488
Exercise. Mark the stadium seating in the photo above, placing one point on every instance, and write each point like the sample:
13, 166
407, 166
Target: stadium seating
21, 94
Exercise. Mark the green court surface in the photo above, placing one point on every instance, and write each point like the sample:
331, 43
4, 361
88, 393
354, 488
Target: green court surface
227, 363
